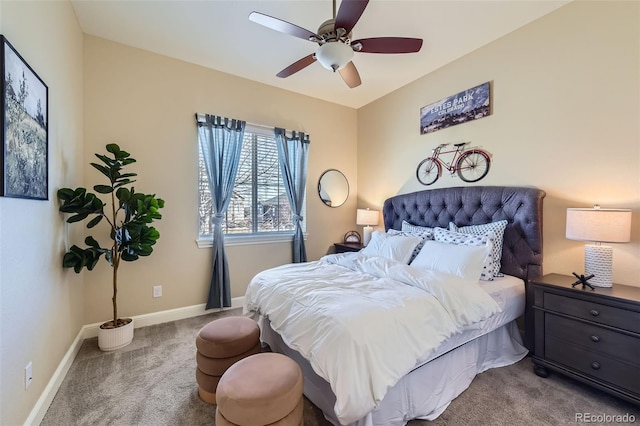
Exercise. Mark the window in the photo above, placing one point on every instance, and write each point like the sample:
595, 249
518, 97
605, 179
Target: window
259, 205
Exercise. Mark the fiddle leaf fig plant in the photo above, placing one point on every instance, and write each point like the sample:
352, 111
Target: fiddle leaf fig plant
128, 216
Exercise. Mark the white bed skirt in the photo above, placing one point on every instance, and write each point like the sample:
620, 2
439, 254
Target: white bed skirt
425, 392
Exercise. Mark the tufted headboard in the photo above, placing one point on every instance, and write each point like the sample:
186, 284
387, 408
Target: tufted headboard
475, 205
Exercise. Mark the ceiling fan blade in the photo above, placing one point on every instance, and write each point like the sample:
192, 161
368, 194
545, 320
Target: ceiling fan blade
349, 13
281, 26
350, 75
297, 66
387, 45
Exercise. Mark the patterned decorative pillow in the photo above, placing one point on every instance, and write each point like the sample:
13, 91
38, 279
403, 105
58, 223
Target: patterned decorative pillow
409, 227
423, 235
488, 240
497, 228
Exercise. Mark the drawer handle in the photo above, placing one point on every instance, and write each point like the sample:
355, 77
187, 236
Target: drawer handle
595, 365
594, 312
595, 339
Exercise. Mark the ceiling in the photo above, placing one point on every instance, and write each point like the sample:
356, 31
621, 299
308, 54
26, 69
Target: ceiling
218, 34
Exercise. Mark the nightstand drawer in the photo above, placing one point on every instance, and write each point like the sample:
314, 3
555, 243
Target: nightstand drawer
593, 364
615, 345
602, 314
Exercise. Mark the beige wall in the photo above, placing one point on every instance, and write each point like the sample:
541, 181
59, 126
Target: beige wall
146, 103
41, 305
566, 119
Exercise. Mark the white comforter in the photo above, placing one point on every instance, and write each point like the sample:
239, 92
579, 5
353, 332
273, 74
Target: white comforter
364, 322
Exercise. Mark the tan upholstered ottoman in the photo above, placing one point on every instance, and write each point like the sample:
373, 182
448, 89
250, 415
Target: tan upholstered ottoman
262, 389
219, 345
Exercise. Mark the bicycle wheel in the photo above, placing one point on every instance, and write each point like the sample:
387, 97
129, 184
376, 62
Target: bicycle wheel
473, 166
428, 171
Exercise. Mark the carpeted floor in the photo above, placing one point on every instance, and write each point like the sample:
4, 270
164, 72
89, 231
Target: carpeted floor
152, 382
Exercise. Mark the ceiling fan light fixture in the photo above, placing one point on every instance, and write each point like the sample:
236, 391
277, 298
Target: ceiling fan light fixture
334, 55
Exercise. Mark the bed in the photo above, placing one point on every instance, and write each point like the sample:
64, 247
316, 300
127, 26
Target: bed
491, 339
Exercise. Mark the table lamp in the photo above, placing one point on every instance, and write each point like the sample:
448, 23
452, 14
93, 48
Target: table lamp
599, 226
367, 218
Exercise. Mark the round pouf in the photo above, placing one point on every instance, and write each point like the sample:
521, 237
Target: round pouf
262, 389
219, 345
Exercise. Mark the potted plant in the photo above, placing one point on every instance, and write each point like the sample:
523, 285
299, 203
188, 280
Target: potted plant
129, 216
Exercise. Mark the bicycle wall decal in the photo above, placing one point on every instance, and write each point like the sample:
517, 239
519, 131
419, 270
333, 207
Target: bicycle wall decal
471, 164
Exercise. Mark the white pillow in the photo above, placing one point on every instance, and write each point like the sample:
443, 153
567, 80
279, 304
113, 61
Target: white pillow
465, 261
395, 247
423, 235
458, 238
497, 228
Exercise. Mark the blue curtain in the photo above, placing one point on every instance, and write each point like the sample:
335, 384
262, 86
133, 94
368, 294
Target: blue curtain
221, 143
293, 153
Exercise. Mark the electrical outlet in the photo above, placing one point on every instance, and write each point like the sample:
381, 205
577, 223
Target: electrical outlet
157, 291
28, 375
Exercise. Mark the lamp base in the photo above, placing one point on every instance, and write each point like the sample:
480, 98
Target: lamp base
366, 235
598, 261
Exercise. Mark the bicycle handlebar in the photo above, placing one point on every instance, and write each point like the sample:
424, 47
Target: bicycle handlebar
457, 145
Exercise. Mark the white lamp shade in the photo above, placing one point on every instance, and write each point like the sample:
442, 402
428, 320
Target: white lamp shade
334, 55
367, 217
599, 225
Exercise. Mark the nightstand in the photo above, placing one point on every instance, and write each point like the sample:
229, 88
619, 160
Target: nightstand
345, 247
590, 335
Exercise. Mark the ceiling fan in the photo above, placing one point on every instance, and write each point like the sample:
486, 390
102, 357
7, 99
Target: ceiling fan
334, 38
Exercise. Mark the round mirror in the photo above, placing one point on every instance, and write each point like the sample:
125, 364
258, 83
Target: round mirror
333, 188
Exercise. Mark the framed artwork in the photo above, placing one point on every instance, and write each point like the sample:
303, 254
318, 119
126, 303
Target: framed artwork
465, 106
24, 157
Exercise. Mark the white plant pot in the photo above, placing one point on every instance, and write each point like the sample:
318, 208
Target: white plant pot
110, 339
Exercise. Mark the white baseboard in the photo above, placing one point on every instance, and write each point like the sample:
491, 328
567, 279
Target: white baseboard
42, 405
91, 330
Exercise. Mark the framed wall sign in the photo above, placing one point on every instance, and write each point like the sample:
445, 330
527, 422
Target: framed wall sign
24, 123
465, 106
